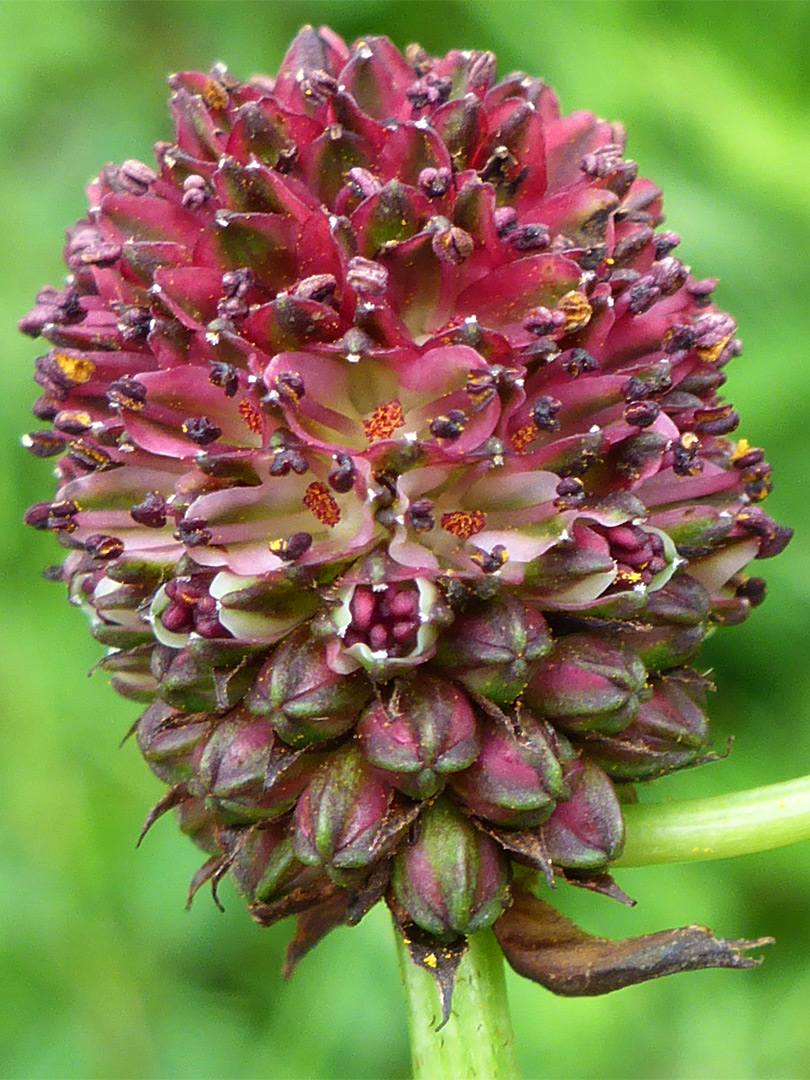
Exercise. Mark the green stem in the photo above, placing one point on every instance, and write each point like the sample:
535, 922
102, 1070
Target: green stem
738, 824
476, 1043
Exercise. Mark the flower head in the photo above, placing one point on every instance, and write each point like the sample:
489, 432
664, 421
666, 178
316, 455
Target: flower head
394, 474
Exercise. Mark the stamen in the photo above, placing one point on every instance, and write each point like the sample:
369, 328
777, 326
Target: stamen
384, 421
201, 430
322, 504
463, 523
251, 415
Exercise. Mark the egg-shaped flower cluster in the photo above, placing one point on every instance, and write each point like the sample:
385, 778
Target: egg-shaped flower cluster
393, 471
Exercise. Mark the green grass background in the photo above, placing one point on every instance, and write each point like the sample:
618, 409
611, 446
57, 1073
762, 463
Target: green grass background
102, 972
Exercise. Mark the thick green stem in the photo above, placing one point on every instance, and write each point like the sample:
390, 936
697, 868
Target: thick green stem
715, 828
476, 1043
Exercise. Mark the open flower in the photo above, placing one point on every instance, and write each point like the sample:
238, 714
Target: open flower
393, 471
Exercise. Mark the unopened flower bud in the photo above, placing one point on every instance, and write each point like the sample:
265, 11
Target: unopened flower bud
586, 831
451, 878
426, 730
588, 685
339, 819
307, 700
517, 777
495, 648
668, 733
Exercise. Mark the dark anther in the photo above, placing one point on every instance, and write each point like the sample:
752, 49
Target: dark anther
420, 516
684, 455
678, 339
497, 165
592, 257
773, 538
195, 191
702, 289
151, 511
434, 182
73, 421
293, 548
576, 362
135, 176
544, 413
127, 393
490, 561
45, 408
318, 287
542, 321
193, 532
752, 589
642, 414
429, 90
286, 459
603, 161
88, 457
656, 380
719, 420
103, 547
43, 444
643, 295
570, 493
134, 323
201, 430
452, 245
506, 219
342, 478
236, 283
450, 426
225, 376
664, 243
749, 459
532, 237
57, 516
320, 85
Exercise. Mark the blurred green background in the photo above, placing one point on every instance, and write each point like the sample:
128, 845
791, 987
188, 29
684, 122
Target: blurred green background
102, 972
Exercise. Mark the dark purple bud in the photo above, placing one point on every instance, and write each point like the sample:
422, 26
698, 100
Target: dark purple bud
201, 430
151, 511
451, 879
586, 831
425, 730
192, 684
588, 685
668, 733
517, 777
307, 700
340, 817
495, 649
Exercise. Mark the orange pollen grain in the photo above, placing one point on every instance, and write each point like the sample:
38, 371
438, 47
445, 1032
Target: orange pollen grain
463, 523
251, 415
384, 421
215, 95
576, 309
322, 504
523, 436
79, 369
